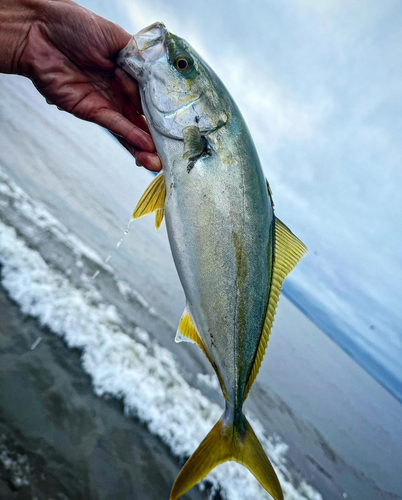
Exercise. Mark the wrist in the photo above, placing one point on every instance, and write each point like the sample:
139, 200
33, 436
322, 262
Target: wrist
16, 20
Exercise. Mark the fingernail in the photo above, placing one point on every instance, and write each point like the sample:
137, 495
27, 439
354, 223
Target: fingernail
156, 163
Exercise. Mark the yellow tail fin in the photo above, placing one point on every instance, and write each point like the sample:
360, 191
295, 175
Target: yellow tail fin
224, 443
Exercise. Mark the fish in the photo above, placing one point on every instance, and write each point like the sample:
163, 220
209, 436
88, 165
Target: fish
230, 250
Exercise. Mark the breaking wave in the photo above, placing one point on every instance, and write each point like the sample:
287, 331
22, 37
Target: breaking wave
122, 360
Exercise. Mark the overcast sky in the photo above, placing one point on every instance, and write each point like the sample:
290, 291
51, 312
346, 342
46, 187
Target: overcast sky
320, 86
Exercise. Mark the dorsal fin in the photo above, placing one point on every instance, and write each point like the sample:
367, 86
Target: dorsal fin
153, 200
187, 329
289, 250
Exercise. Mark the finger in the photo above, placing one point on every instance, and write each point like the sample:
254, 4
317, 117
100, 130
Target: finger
130, 87
130, 112
141, 122
122, 127
150, 161
132, 108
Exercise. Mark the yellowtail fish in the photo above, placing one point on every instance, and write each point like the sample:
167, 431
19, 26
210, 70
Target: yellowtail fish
231, 252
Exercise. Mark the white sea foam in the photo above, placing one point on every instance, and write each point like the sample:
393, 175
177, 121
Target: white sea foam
16, 464
128, 292
41, 218
210, 381
36, 216
142, 373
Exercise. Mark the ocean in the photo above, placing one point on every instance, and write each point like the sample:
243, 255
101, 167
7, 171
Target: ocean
67, 191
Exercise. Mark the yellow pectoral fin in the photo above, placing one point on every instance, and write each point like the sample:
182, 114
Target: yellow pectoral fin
153, 200
289, 250
187, 329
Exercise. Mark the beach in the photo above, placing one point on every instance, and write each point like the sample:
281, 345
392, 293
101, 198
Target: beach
57, 439
96, 398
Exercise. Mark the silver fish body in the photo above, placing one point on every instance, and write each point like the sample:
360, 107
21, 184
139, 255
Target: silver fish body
222, 232
219, 218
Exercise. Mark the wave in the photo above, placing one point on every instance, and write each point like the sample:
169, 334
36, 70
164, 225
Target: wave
122, 360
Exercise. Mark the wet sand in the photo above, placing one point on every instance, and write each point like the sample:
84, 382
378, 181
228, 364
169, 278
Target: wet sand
60, 441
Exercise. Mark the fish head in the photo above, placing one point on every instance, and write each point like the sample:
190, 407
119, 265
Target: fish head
178, 89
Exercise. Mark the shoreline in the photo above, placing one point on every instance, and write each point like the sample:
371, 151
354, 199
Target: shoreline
57, 438
333, 429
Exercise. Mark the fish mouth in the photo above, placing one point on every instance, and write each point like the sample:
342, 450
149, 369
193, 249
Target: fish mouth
150, 36
146, 46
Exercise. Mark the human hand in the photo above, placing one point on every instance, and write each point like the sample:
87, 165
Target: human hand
68, 54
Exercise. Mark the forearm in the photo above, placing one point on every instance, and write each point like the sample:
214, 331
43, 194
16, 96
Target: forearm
16, 19
69, 54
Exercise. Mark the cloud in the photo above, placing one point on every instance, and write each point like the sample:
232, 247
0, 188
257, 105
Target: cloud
272, 111
320, 86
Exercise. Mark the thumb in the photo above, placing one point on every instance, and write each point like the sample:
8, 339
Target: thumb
116, 37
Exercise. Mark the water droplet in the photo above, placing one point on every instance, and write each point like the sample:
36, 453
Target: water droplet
124, 234
36, 343
96, 274
108, 258
128, 228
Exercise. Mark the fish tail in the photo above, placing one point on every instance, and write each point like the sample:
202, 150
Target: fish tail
229, 439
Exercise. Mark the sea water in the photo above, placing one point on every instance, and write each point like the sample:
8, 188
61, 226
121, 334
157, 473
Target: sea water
66, 191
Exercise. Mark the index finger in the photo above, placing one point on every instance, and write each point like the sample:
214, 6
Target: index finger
121, 126
130, 87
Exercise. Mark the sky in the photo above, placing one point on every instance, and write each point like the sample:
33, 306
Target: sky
320, 87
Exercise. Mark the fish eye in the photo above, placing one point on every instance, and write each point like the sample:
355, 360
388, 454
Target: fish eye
182, 63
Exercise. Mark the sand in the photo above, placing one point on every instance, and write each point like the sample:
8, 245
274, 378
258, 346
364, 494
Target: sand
60, 441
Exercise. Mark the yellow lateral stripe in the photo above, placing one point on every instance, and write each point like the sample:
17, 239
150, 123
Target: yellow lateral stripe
153, 198
289, 250
188, 329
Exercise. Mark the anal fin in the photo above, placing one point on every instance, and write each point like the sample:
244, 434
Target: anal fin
188, 330
153, 200
288, 251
